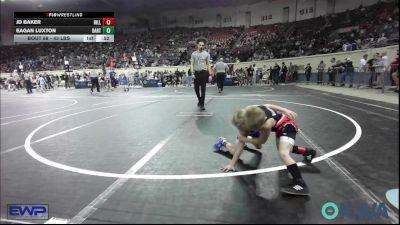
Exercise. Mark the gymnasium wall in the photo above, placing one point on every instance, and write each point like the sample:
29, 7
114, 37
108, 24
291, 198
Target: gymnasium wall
314, 60
265, 12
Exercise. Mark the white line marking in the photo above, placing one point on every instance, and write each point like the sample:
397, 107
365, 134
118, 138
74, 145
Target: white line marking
252, 92
56, 221
12, 149
194, 115
358, 186
196, 112
218, 96
48, 162
15, 221
361, 109
59, 133
378, 106
103, 197
27, 114
30, 118
102, 103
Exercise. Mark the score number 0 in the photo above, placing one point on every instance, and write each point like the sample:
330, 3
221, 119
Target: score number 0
108, 21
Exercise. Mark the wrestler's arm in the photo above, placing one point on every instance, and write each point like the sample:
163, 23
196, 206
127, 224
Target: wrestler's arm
285, 111
238, 151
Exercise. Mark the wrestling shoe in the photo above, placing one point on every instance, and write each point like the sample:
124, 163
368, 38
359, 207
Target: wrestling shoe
221, 142
309, 155
296, 188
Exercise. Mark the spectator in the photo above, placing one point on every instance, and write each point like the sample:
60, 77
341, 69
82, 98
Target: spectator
275, 74
321, 69
189, 78
308, 72
250, 74
395, 72
284, 72
28, 83
363, 69
348, 72
379, 70
332, 70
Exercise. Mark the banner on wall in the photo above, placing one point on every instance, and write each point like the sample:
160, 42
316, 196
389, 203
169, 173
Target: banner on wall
305, 9
347, 29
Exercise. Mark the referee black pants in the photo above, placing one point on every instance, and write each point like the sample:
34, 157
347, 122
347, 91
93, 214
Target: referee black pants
220, 81
95, 81
200, 82
28, 85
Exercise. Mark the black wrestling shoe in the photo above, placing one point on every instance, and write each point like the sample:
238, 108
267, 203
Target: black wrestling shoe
296, 188
309, 156
202, 107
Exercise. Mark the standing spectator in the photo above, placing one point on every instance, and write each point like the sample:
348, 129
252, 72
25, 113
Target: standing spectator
113, 80
348, 71
255, 73
250, 74
332, 70
295, 72
395, 72
386, 66
189, 78
284, 72
72, 80
49, 82
261, 73
200, 65
41, 84
175, 79
220, 68
321, 69
371, 69
362, 70
177, 76
125, 82
340, 68
379, 70
271, 75
28, 83
307, 71
276, 71
66, 80
290, 71
385, 60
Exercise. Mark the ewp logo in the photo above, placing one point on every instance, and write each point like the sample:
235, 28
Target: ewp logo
358, 211
28, 212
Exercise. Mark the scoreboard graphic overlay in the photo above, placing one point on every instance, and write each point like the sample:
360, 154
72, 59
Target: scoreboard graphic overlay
64, 26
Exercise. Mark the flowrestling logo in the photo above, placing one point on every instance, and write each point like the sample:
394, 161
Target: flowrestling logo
354, 210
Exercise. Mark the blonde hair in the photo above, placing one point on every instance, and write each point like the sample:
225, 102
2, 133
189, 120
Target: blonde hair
249, 119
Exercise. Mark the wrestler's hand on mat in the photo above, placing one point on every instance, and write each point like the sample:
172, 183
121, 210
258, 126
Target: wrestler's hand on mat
228, 168
290, 114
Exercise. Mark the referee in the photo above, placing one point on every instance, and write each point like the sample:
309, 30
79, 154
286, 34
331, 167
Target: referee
220, 68
200, 66
94, 79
